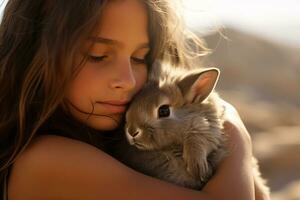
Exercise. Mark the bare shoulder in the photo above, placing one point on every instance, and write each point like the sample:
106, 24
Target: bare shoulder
55, 167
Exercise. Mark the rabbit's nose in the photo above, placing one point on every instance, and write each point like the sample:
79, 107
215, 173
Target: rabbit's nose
134, 133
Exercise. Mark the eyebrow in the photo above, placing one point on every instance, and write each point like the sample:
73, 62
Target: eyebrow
112, 42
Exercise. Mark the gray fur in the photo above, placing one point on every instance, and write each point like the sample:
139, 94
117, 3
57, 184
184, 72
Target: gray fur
186, 147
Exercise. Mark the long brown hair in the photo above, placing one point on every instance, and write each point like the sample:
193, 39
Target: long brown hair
38, 43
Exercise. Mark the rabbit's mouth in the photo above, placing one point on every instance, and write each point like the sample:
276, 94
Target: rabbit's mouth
140, 146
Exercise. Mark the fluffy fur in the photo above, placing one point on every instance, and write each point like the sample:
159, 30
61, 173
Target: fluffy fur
174, 128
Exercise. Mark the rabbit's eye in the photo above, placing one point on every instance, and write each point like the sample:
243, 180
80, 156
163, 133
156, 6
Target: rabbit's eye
164, 111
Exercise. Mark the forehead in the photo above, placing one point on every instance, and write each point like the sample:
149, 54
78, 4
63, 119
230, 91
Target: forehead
125, 21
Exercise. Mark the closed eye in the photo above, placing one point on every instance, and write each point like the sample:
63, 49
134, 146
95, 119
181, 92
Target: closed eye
139, 60
96, 58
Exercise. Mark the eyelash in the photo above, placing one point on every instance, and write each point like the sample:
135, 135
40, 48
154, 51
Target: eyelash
97, 59
138, 60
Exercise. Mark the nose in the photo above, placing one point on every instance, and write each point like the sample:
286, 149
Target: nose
124, 76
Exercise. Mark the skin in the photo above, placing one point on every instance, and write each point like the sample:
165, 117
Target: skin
115, 69
55, 167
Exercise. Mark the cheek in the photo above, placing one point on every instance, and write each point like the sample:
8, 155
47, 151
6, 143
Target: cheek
84, 86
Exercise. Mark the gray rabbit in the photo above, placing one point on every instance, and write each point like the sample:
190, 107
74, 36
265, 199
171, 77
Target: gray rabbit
174, 127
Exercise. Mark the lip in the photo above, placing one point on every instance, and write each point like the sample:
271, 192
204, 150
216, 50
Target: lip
115, 103
113, 107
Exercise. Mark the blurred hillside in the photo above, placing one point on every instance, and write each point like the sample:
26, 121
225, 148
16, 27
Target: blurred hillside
261, 79
263, 75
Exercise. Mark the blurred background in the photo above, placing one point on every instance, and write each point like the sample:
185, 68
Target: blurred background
256, 44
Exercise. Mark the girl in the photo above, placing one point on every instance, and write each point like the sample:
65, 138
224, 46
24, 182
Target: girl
68, 69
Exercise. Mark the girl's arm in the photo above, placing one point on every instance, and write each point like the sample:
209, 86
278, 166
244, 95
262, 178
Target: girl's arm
55, 167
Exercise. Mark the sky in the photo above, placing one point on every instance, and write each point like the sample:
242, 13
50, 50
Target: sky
278, 20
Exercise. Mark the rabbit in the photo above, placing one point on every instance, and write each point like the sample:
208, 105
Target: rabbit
173, 128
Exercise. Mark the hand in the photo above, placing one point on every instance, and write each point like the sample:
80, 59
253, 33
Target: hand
236, 130
234, 178
234, 127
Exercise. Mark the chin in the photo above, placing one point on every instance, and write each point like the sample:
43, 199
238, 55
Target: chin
104, 123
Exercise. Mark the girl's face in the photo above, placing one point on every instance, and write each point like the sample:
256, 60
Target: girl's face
115, 70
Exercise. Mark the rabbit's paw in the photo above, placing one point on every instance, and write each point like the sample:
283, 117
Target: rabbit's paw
198, 167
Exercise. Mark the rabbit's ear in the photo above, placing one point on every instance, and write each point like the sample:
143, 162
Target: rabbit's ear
197, 86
